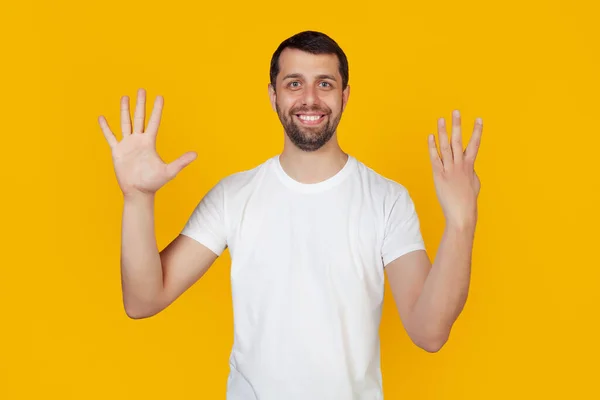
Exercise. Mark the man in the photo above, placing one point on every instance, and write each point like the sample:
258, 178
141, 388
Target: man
310, 233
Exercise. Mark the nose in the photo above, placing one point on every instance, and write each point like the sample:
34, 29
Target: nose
309, 95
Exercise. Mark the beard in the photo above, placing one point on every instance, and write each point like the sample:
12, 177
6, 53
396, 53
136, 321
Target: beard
308, 138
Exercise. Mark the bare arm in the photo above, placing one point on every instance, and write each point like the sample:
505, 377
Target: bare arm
430, 298
141, 267
152, 280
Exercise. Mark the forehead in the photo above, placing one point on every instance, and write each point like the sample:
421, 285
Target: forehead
294, 61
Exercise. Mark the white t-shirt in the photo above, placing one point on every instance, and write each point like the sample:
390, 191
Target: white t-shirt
307, 277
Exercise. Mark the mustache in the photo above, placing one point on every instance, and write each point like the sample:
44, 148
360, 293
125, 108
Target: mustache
300, 110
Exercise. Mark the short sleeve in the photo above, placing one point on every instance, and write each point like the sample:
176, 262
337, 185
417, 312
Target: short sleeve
402, 229
206, 223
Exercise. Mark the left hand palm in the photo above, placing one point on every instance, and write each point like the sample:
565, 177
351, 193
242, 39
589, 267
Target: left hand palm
456, 183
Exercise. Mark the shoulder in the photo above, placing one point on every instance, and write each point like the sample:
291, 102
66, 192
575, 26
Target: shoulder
380, 185
237, 181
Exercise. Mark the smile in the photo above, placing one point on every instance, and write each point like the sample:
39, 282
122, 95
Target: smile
310, 119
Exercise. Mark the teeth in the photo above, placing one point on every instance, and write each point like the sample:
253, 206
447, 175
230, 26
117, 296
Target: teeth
309, 117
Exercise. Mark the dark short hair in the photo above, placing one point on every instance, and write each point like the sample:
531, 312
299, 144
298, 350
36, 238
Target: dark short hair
314, 43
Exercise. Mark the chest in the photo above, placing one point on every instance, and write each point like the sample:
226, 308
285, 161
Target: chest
311, 239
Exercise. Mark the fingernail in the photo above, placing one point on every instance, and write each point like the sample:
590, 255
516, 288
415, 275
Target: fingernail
456, 113
479, 121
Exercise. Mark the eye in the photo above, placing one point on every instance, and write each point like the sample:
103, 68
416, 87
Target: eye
294, 84
326, 83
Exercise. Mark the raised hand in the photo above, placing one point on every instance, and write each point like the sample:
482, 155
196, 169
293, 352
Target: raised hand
138, 167
456, 183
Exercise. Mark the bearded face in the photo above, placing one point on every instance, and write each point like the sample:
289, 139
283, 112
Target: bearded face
309, 99
309, 128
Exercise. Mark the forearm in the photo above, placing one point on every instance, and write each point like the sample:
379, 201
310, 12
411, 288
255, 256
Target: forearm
141, 269
446, 288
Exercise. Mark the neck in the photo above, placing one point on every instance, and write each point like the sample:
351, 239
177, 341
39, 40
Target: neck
314, 166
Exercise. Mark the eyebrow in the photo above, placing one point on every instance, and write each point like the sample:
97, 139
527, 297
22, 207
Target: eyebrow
321, 76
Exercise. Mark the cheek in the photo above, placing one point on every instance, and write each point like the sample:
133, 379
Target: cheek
334, 101
335, 105
285, 103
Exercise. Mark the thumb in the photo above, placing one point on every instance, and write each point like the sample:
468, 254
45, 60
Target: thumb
177, 165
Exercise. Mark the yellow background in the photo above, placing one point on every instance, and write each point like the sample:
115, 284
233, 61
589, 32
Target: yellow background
529, 69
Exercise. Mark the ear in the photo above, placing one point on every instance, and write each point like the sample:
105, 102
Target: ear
345, 96
272, 97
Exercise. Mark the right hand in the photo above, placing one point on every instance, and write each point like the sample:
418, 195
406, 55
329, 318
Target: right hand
138, 166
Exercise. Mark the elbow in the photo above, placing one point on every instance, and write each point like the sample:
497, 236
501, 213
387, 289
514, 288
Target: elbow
139, 312
432, 346
430, 343
135, 314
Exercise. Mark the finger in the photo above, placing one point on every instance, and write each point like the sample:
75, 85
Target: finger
445, 149
154, 121
473, 146
140, 112
457, 145
125, 116
174, 167
433, 154
110, 137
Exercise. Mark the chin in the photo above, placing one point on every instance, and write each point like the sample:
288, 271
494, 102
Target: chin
313, 144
